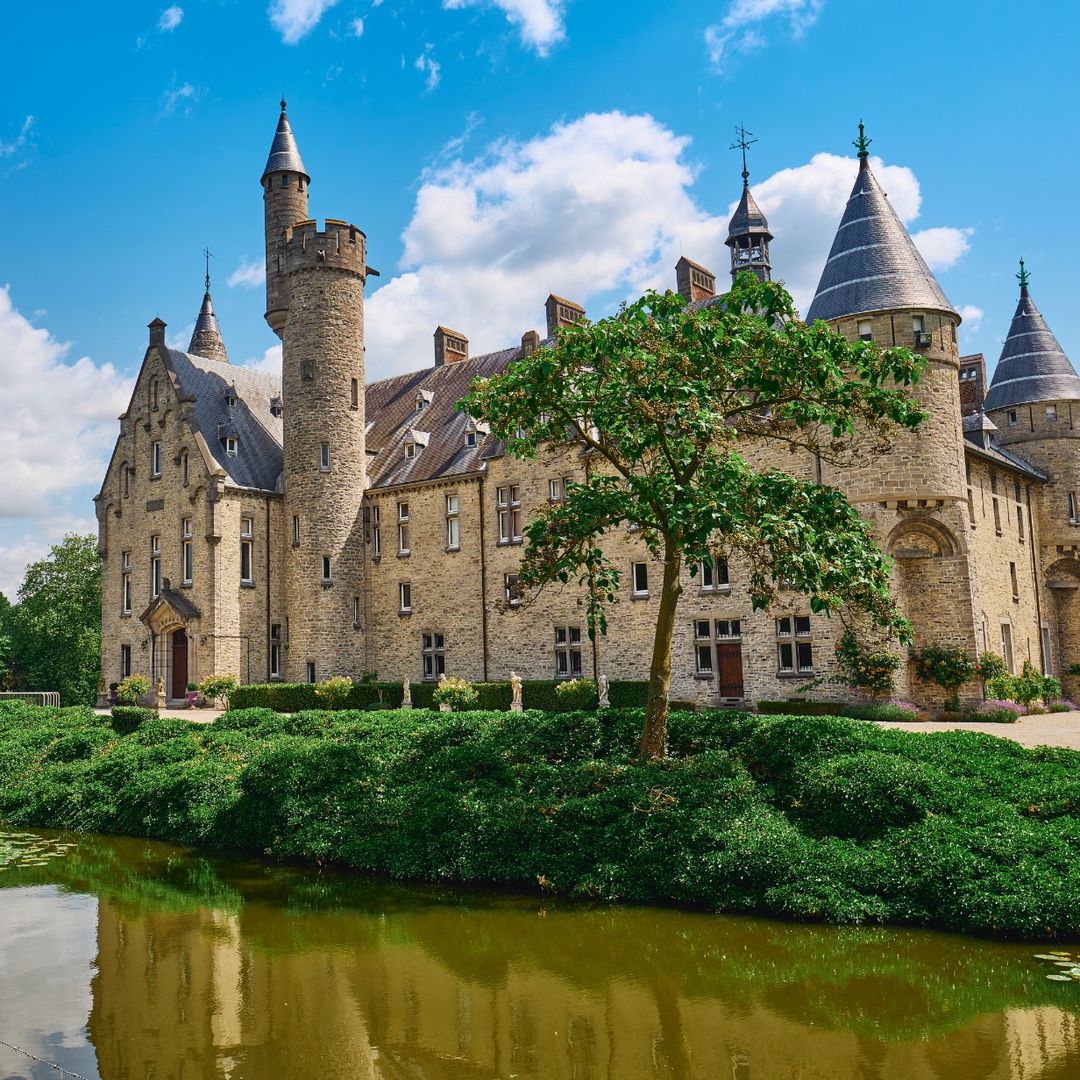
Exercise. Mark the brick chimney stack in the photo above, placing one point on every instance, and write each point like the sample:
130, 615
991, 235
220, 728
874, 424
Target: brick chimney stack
451, 346
694, 281
561, 312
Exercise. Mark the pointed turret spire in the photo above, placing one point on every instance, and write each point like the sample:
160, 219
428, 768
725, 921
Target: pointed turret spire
748, 230
1032, 366
206, 339
284, 153
873, 264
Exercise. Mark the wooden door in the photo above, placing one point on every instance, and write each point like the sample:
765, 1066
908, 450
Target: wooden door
729, 668
179, 664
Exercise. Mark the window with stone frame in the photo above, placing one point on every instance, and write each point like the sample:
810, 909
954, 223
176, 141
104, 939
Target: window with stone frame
232, 446
326, 576
125, 661
1072, 508
997, 514
713, 575
310, 671
568, 652
376, 534
1013, 581
354, 394
639, 579
275, 650
510, 590
155, 567
1051, 413
453, 523
247, 545
403, 528
296, 530
433, 654
155, 460
794, 647
125, 582
508, 509
184, 469
557, 489
707, 633
356, 612
324, 457
866, 330
187, 554
404, 597
1011, 418
1020, 523
125, 478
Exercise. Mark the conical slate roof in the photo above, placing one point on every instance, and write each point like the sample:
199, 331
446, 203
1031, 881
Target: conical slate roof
1032, 366
873, 264
284, 153
206, 340
748, 217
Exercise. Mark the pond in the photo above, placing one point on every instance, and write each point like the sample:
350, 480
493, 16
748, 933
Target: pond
126, 959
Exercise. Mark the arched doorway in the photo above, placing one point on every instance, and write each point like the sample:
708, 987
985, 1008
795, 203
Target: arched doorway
178, 642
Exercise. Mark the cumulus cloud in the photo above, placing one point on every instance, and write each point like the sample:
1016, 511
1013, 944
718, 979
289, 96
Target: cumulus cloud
540, 22
943, 247
594, 208
269, 361
295, 19
973, 317
356, 27
250, 274
744, 27
170, 18
428, 66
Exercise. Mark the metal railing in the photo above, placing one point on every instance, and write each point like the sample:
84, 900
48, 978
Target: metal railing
35, 697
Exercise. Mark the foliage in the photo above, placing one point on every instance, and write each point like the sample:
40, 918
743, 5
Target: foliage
126, 718
866, 668
1073, 669
998, 712
334, 693
1061, 705
882, 710
1026, 688
950, 668
799, 708
991, 666
576, 694
131, 689
55, 628
219, 688
457, 693
661, 394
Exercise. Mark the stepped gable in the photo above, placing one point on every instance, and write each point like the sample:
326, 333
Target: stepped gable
284, 153
873, 264
258, 461
206, 339
1033, 366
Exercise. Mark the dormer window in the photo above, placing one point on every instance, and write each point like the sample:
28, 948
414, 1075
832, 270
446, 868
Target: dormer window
276, 408
470, 438
410, 451
230, 397
423, 400
232, 445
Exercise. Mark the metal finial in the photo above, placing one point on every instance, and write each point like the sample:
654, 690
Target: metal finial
743, 144
208, 255
862, 143
282, 100
1023, 277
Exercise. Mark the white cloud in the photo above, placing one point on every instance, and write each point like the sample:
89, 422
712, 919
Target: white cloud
180, 338
185, 95
943, 247
269, 361
596, 208
428, 66
12, 147
741, 29
356, 29
248, 275
170, 18
540, 22
973, 317
295, 19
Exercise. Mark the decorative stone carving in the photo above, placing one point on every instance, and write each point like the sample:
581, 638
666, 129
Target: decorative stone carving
445, 706
102, 695
603, 702
159, 694
515, 689
406, 694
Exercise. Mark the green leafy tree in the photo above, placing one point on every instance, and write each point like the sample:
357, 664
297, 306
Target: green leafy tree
56, 624
665, 400
5, 642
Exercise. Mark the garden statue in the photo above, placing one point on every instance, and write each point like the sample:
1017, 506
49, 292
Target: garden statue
102, 694
159, 694
406, 694
444, 706
602, 688
515, 689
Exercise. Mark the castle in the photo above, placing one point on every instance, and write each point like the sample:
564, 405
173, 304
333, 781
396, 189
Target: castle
318, 525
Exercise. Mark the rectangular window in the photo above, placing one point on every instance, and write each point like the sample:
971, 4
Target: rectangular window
404, 597
1051, 412
453, 524
1017, 493
510, 589
703, 647
247, 532
866, 330
728, 629
311, 671
433, 654
125, 661
1010, 417
326, 568
155, 567
997, 516
1020, 522
1006, 647
794, 650
713, 575
296, 529
403, 528
1072, 508
917, 323
187, 561
639, 573
1044, 640
567, 652
356, 612
1012, 580
155, 459
125, 582
324, 457
376, 534
557, 490
354, 394
275, 650
232, 445
508, 506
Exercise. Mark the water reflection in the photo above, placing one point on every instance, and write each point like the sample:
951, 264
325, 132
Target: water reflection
222, 968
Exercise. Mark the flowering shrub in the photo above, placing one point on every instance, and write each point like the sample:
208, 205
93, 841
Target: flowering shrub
1000, 712
131, 689
218, 688
864, 668
334, 693
577, 694
991, 666
1061, 705
1026, 688
949, 668
457, 693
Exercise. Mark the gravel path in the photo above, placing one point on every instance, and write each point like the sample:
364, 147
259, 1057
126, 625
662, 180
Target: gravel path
1048, 729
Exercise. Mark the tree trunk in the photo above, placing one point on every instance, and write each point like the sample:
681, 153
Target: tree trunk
654, 734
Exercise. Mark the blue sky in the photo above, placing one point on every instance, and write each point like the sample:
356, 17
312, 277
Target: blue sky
493, 151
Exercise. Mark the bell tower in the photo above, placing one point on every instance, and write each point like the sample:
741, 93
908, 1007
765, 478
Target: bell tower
748, 231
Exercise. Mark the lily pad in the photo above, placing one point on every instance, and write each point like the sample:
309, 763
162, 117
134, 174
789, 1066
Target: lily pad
1059, 978
1046, 956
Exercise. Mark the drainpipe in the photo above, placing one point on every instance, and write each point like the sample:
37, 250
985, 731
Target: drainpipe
1035, 580
269, 575
483, 577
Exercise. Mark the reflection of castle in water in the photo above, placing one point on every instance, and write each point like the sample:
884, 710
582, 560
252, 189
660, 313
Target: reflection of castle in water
432, 994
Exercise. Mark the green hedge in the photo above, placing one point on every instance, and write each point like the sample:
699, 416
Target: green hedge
126, 718
800, 708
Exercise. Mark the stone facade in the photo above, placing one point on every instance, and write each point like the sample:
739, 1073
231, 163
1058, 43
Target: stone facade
319, 525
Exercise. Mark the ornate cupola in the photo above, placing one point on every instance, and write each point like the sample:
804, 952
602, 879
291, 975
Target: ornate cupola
1032, 367
748, 230
206, 338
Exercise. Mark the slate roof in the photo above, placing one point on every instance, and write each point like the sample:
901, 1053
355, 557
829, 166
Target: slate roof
284, 153
873, 264
748, 217
979, 440
1032, 366
206, 338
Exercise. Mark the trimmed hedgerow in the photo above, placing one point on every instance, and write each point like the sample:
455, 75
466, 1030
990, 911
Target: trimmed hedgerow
126, 718
799, 708
809, 817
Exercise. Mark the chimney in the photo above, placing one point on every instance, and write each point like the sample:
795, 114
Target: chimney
530, 342
451, 346
157, 332
693, 281
561, 312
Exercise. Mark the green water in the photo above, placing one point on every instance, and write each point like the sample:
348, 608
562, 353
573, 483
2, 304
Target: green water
127, 959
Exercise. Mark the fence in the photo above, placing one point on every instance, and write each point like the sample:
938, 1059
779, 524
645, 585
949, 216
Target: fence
35, 697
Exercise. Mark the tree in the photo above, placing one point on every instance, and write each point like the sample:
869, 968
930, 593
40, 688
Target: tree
5, 642
665, 400
56, 624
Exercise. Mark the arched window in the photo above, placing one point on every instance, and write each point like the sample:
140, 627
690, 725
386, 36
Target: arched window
125, 480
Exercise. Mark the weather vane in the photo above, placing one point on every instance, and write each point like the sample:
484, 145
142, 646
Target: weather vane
209, 255
862, 143
1023, 277
743, 144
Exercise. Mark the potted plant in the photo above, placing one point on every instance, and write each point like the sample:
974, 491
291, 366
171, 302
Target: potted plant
192, 694
112, 692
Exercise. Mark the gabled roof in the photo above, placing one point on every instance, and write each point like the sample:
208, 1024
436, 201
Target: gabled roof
284, 153
1033, 366
873, 264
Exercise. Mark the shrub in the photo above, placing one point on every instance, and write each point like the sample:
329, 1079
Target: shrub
628, 693
218, 688
949, 668
126, 718
800, 708
998, 712
1026, 688
865, 668
334, 693
457, 693
991, 666
1061, 705
576, 694
131, 689
882, 711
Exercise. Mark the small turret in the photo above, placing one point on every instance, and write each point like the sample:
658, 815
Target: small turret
748, 230
206, 338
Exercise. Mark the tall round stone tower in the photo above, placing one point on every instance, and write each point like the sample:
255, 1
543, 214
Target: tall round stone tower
315, 302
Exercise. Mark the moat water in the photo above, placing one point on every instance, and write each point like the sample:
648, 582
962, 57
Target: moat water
128, 960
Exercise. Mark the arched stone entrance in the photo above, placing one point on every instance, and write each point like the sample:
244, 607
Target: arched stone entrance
178, 641
172, 621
